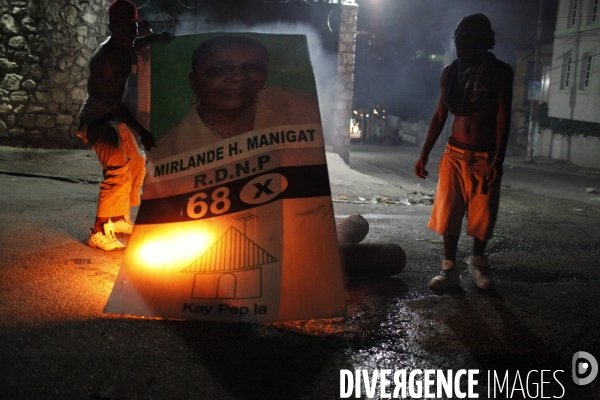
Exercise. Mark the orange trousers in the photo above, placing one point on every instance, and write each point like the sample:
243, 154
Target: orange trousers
124, 169
463, 190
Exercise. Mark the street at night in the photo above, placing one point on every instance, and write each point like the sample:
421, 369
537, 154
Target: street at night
203, 199
57, 343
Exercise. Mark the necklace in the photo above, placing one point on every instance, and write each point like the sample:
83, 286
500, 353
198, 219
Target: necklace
249, 119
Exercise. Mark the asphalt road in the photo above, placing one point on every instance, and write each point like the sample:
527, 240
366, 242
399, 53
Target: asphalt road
545, 177
55, 342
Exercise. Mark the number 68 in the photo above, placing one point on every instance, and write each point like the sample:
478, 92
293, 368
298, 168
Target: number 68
197, 207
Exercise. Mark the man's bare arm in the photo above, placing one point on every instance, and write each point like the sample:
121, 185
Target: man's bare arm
436, 125
504, 110
162, 37
503, 123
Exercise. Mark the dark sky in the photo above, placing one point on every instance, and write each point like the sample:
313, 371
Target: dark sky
392, 75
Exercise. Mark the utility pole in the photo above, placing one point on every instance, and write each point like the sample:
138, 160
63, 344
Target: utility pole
345, 80
533, 111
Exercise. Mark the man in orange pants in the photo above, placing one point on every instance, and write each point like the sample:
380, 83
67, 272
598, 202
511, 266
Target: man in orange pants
477, 89
104, 122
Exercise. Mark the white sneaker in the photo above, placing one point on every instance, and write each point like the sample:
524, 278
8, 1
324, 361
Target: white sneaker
106, 240
479, 268
449, 278
123, 226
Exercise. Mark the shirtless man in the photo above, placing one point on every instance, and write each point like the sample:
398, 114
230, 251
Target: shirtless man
104, 122
477, 89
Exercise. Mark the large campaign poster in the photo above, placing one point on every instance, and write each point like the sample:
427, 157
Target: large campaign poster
233, 226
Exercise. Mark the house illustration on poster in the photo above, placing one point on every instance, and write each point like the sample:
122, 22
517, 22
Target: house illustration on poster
231, 268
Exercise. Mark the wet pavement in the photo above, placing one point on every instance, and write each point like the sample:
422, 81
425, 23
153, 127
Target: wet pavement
56, 343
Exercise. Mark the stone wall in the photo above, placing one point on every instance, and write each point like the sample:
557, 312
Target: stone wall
45, 46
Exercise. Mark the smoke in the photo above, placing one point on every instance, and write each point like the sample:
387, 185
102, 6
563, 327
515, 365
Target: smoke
406, 32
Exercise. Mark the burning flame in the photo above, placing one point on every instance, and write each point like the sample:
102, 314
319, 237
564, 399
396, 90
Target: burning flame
177, 246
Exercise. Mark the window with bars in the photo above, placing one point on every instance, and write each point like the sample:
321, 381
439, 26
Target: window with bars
593, 16
573, 13
586, 71
566, 78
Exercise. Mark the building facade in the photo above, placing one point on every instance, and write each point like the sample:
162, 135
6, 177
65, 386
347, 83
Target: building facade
574, 91
523, 96
572, 129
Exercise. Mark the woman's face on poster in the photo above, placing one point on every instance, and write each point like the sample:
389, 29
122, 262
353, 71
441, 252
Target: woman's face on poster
230, 77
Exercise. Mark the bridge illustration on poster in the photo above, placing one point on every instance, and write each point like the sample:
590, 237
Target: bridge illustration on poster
231, 268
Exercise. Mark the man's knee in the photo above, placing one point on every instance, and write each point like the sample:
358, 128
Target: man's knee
116, 173
115, 168
116, 181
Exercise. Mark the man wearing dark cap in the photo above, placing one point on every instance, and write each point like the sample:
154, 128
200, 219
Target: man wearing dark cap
477, 89
105, 123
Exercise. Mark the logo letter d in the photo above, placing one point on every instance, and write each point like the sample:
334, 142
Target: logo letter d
590, 364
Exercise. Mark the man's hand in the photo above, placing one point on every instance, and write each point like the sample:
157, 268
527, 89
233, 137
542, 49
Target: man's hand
495, 171
420, 170
147, 140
